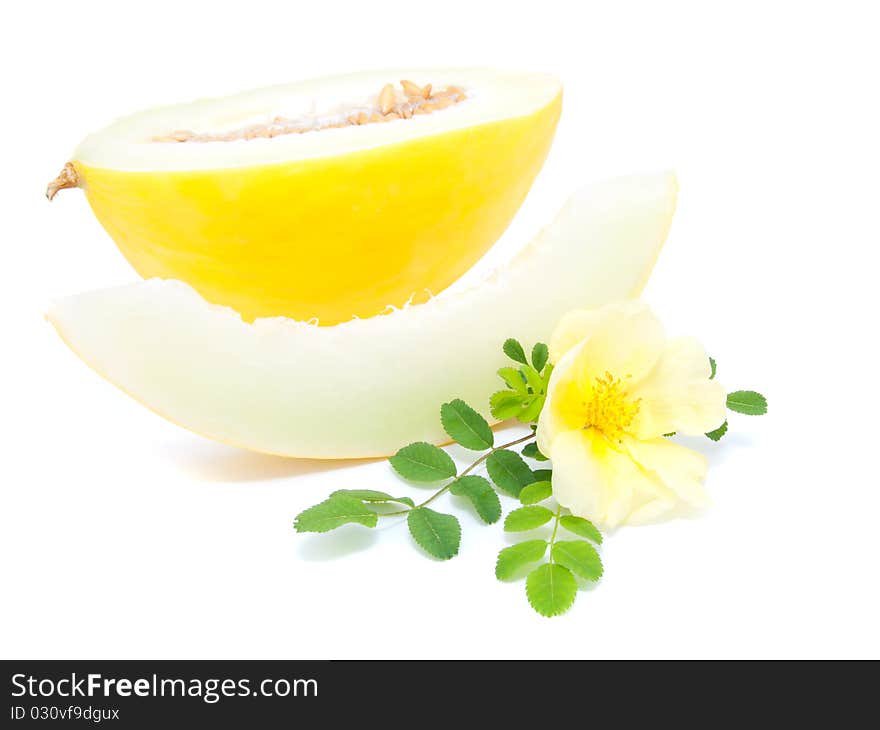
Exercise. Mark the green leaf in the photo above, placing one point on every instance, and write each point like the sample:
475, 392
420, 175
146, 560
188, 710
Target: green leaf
514, 558
423, 462
531, 451
509, 471
551, 589
466, 426
371, 495
543, 475
718, 432
582, 527
748, 402
466, 484
669, 435
514, 351
532, 410
514, 379
548, 371
527, 518
438, 534
535, 492
579, 557
713, 367
505, 404
533, 378
484, 499
334, 512
540, 355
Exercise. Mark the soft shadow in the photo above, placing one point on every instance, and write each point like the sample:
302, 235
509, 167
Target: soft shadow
208, 461
340, 543
717, 451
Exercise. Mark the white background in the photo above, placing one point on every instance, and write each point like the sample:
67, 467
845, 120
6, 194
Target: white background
124, 536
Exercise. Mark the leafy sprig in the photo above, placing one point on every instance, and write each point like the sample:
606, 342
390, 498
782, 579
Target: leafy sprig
564, 564
551, 587
526, 390
438, 533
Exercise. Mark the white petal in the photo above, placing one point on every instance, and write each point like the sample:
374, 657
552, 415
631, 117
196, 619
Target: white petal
556, 415
627, 345
653, 510
680, 470
596, 481
677, 394
578, 482
573, 328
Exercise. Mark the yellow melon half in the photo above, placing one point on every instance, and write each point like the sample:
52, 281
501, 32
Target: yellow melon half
368, 386
323, 199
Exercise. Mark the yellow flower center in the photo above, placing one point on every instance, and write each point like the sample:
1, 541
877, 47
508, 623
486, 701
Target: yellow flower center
609, 410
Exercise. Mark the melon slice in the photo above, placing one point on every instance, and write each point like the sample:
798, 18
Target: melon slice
323, 199
368, 386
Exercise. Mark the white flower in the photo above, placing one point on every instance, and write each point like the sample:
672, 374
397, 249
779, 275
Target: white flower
618, 386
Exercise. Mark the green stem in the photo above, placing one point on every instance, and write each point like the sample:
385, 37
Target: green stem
467, 471
555, 528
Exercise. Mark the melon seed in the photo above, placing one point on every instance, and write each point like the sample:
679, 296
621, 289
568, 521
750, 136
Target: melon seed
419, 100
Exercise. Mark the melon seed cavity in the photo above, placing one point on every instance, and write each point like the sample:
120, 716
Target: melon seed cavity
390, 104
411, 100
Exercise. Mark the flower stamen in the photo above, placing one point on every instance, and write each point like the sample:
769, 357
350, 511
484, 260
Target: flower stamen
609, 410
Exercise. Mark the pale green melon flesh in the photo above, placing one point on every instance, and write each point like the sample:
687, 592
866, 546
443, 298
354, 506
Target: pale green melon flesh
366, 387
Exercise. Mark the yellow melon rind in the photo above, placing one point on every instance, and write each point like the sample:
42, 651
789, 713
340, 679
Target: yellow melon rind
365, 387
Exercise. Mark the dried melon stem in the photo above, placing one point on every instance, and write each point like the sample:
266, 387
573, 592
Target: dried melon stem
390, 104
67, 178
